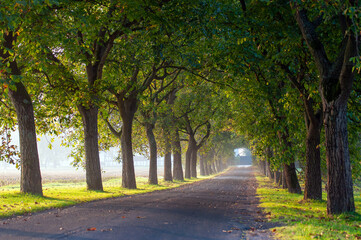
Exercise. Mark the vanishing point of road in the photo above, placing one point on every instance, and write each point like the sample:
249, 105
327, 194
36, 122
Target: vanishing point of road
221, 208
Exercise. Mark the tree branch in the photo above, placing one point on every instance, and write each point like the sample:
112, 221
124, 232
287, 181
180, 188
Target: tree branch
310, 35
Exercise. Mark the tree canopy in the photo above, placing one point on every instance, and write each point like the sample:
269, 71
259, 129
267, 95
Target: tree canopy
195, 79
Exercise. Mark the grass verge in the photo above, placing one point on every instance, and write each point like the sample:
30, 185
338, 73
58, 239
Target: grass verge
60, 194
301, 219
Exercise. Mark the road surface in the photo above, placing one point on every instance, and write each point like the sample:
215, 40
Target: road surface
224, 207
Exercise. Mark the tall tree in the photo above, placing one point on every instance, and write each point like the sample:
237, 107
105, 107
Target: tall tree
12, 34
336, 79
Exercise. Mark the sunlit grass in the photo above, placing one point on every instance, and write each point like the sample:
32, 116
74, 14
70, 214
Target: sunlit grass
62, 194
307, 219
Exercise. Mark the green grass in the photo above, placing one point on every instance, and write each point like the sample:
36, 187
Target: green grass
301, 219
62, 194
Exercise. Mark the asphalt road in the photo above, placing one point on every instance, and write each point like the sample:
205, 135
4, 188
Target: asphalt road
224, 207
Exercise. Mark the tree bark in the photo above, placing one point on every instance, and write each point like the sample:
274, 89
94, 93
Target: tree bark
284, 182
205, 166
201, 164
194, 162
187, 171
177, 157
219, 164
92, 161
291, 178
214, 169
30, 181
277, 177
127, 109
269, 173
339, 182
313, 181
262, 166
209, 170
153, 177
189, 156
168, 157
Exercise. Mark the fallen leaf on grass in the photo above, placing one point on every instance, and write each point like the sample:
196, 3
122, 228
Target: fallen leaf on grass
91, 229
274, 230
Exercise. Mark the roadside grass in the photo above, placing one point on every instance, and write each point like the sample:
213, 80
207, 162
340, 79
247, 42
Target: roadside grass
62, 194
301, 219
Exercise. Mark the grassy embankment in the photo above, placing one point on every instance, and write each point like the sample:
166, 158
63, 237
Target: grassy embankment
306, 219
58, 195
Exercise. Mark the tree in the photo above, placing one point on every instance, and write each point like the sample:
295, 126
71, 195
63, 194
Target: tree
196, 106
336, 79
12, 34
151, 110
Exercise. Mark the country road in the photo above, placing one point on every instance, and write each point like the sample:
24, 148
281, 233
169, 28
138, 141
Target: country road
224, 207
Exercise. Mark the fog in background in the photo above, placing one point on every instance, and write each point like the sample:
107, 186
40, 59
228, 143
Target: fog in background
55, 164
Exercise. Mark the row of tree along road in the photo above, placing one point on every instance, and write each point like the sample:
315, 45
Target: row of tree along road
157, 76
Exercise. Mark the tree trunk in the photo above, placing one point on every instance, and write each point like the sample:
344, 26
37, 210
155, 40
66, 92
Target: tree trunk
201, 164
291, 178
214, 169
277, 177
205, 167
187, 173
210, 169
221, 165
30, 181
167, 158
339, 182
189, 153
284, 182
313, 181
177, 157
92, 161
153, 178
194, 163
269, 173
262, 167
127, 109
